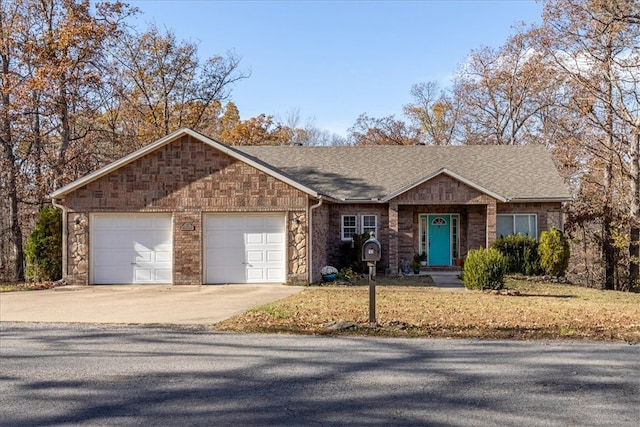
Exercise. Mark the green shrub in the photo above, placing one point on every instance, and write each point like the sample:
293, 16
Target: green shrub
347, 275
351, 254
484, 269
554, 252
521, 253
44, 247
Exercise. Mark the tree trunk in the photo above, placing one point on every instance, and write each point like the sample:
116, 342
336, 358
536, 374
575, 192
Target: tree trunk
608, 217
8, 164
16, 250
65, 134
634, 243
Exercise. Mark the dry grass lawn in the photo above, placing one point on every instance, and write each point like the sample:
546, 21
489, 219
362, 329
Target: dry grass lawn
542, 311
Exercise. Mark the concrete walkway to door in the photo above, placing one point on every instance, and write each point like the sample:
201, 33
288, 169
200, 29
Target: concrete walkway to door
140, 304
447, 280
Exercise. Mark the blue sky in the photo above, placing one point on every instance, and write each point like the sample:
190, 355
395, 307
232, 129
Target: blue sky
334, 60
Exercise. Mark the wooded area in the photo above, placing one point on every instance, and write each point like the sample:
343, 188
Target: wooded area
80, 88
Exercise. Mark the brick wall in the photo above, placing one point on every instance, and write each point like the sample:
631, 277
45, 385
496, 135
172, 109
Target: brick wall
443, 190
333, 238
549, 214
188, 178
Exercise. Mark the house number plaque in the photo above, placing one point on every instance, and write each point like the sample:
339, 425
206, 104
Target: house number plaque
187, 226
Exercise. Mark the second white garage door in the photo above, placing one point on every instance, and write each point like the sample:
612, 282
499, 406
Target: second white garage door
245, 248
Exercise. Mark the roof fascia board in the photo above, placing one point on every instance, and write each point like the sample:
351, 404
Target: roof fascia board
164, 141
360, 201
450, 174
541, 200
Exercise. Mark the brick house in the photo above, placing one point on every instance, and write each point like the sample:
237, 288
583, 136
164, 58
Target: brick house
188, 210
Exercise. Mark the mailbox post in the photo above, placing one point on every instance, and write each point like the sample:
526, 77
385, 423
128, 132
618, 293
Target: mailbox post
371, 252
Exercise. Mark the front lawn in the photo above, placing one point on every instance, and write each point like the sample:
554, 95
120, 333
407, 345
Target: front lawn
541, 311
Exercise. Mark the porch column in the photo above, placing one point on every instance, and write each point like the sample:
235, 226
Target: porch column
393, 238
491, 223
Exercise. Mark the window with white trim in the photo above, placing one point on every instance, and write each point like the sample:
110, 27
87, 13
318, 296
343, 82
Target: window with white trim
358, 224
349, 227
370, 224
525, 224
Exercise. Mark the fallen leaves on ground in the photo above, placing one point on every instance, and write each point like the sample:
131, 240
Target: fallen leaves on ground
541, 311
29, 286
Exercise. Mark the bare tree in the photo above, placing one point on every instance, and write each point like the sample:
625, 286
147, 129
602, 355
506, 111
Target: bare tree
593, 45
168, 87
434, 112
385, 131
504, 94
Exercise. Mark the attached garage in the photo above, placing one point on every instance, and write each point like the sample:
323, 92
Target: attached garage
245, 248
131, 249
185, 210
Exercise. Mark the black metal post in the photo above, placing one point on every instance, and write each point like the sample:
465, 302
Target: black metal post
372, 292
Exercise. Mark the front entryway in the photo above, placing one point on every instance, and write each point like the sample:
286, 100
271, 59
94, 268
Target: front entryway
439, 235
439, 238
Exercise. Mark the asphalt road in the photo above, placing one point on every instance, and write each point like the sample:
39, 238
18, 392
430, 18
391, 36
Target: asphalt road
177, 376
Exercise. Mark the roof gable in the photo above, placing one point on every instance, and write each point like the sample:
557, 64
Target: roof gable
111, 167
444, 171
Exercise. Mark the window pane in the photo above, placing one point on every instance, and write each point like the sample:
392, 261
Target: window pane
504, 225
348, 227
369, 224
525, 225
368, 221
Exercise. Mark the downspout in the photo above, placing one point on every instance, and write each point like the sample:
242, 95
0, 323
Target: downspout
64, 237
310, 245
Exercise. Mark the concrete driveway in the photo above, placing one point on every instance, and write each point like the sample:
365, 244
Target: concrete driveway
146, 304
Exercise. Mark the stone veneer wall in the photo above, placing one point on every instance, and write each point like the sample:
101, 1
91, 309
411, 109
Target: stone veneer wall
188, 179
297, 251
77, 249
320, 238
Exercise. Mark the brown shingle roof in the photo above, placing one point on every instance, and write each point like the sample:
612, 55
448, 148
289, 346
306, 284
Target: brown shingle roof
364, 173
380, 173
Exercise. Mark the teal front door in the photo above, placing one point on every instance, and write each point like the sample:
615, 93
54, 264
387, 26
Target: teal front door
439, 236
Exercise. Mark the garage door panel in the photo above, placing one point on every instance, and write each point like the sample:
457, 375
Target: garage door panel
275, 274
163, 276
245, 248
255, 274
274, 256
254, 238
163, 256
274, 239
255, 256
132, 249
143, 275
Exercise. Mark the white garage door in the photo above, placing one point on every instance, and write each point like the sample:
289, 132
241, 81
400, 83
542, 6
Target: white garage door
245, 248
131, 249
